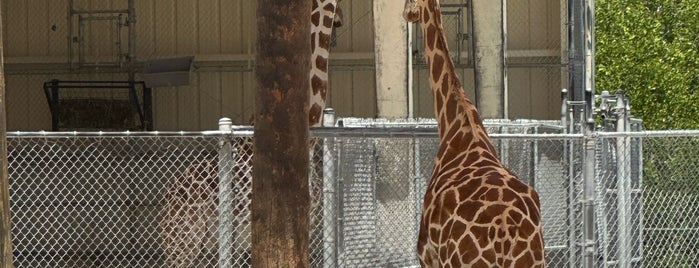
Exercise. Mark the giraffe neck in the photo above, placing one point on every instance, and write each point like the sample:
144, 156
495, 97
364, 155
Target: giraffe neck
460, 126
322, 20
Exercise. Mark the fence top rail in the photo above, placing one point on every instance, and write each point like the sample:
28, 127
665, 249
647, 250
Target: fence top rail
321, 132
649, 134
66, 134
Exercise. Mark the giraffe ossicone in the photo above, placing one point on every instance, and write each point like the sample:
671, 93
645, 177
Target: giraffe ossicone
476, 212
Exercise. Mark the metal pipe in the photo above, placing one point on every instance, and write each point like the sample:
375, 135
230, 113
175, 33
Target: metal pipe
409, 71
564, 107
588, 199
70, 34
623, 183
131, 21
225, 194
330, 207
81, 39
589, 46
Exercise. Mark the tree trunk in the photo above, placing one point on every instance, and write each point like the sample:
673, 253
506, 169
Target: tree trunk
5, 232
280, 196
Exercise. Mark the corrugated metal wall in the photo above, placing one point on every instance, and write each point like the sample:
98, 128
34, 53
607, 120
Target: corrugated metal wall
221, 36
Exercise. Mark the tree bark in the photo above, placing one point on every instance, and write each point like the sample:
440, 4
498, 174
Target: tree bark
280, 196
5, 231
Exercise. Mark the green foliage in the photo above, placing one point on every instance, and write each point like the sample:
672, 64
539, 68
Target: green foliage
650, 48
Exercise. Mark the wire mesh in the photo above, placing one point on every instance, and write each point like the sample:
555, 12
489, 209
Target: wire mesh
155, 201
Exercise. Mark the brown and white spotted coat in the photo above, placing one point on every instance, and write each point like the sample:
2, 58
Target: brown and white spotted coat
476, 212
188, 218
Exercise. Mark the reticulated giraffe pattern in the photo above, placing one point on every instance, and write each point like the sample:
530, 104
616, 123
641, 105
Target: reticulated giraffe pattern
476, 213
188, 217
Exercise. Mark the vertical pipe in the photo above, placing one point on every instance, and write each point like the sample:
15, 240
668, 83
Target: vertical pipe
623, 183
588, 18
225, 194
409, 79
589, 46
564, 108
503, 52
81, 40
70, 34
132, 32
588, 199
568, 149
329, 196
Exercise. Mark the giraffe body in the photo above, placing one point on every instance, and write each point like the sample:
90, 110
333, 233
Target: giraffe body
188, 218
476, 213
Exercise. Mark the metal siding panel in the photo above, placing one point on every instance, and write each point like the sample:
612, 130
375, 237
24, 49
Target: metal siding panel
186, 27
340, 93
545, 99
57, 40
467, 78
249, 87
165, 28
232, 97
363, 38
26, 106
518, 24
16, 27
231, 26
519, 88
209, 99
249, 22
364, 89
209, 26
100, 38
165, 108
38, 28
538, 30
344, 34
424, 104
188, 105
554, 24
145, 29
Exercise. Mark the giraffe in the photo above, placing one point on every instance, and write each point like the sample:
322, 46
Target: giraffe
476, 213
188, 218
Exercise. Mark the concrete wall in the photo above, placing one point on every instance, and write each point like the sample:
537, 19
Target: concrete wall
221, 36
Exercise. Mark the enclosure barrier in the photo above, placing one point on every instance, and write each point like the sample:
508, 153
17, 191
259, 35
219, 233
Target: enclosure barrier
97, 199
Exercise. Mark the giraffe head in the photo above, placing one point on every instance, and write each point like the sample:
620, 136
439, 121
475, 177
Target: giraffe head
337, 19
411, 12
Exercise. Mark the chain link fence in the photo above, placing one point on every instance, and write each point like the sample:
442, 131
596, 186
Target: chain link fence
182, 199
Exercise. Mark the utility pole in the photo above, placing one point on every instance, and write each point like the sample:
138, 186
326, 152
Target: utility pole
6, 235
280, 191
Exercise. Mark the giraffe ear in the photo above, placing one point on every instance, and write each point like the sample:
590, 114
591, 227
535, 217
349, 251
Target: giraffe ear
337, 19
411, 12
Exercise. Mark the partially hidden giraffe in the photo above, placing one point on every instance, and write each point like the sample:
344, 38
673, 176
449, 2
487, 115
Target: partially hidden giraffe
188, 217
476, 212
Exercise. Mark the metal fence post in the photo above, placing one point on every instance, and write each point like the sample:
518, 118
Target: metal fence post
588, 198
623, 172
225, 194
329, 196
